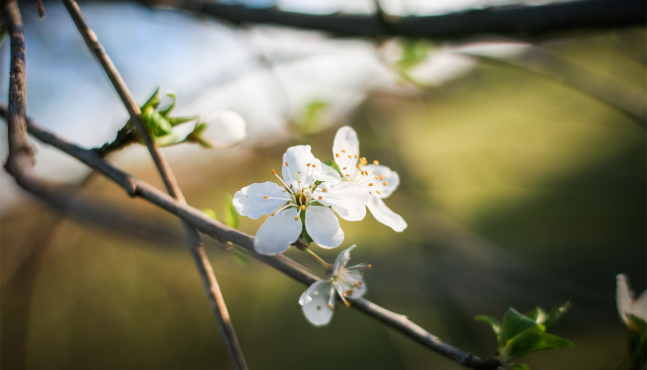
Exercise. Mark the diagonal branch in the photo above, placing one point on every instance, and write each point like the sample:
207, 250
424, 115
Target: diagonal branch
193, 237
138, 188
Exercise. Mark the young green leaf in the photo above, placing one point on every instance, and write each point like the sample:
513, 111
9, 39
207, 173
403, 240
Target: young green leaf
334, 165
231, 215
166, 111
153, 101
497, 328
555, 315
537, 314
531, 340
515, 323
156, 124
210, 212
174, 121
520, 367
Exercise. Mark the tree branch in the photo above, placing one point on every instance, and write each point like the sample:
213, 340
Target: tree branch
213, 228
193, 237
509, 21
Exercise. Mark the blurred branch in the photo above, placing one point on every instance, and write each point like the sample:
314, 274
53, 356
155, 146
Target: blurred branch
213, 228
125, 137
622, 98
511, 21
193, 237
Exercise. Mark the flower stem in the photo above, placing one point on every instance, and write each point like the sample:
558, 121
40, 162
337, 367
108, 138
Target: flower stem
319, 259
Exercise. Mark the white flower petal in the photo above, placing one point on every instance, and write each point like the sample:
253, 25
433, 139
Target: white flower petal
358, 290
624, 297
342, 259
390, 178
639, 308
354, 214
296, 171
314, 303
345, 144
385, 215
348, 195
278, 232
225, 128
323, 227
250, 201
329, 174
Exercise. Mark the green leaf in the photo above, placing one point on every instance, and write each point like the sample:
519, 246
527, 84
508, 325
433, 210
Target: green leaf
313, 115
413, 53
334, 165
156, 124
232, 219
520, 367
240, 254
531, 340
515, 323
537, 314
165, 112
210, 212
153, 101
174, 121
555, 315
199, 128
497, 328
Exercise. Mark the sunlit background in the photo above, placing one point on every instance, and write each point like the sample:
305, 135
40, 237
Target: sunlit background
523, 178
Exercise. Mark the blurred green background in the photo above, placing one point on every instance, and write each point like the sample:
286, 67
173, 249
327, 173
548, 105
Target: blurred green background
518, 191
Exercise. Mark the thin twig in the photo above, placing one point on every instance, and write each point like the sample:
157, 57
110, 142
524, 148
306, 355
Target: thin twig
136, 187
193, 237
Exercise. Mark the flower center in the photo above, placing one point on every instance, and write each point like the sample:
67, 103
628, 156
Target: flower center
350, 171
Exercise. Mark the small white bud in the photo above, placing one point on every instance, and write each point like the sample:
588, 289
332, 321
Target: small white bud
225, 128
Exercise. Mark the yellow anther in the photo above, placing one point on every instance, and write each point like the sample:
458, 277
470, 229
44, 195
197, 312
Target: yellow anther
385, 183
296, 218
382, 177
377, 177
337, 155
273, 213
343, 151
320, 197
350, 156
331, 306
357, 165
266, 197
324, 190
314, 165
344, 168
356, 282
377, 191
370, 184
356, 155
287, 164
303, 208
343, 294
273, 172
308, 164
361, 273
370, 266
347, 303
376, 162
347, 175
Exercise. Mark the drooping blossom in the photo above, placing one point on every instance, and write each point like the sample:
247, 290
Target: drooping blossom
318, 301
627, 302
379, 181
297, 203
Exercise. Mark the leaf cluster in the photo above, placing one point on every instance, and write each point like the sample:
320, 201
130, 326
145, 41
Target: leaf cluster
158, 120
522, 334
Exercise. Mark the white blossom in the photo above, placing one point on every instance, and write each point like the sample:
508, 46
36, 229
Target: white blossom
379, 181
225, 128
297, 203
318, 301
627, 302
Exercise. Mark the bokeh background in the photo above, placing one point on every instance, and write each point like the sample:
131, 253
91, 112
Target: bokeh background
520, 185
